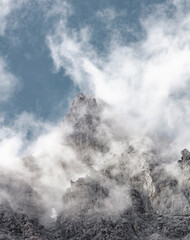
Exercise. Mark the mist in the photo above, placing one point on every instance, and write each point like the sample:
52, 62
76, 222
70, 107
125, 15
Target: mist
146, 82
142, 91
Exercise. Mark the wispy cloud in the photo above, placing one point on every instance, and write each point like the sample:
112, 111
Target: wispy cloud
8, 82
108, 14
6, 8
146, 82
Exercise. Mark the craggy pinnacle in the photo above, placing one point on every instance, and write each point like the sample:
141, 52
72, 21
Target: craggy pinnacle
157, 205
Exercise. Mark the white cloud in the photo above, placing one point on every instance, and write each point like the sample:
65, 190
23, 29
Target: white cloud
6, 8
59, 8
46, 162
108, 14
146, 82
8, 82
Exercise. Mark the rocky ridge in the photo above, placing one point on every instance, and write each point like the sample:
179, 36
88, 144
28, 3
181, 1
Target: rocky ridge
116, 201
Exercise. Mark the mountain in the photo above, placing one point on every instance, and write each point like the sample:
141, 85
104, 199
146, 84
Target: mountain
127, 193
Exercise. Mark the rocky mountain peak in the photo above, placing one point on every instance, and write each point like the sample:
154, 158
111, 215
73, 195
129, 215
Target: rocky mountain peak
185, 155
82, 106
127, 194
85, 119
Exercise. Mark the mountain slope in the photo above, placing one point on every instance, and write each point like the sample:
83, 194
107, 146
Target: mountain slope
127, 193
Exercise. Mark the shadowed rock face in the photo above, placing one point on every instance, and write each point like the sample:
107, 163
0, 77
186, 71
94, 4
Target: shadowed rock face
113, 202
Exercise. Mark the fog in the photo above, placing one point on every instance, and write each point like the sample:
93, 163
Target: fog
144, 87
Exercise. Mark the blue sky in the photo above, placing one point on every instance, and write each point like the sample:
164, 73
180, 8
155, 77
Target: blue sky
132, 54
23, 45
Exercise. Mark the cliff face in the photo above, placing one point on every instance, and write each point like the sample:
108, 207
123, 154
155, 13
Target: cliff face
127, 194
